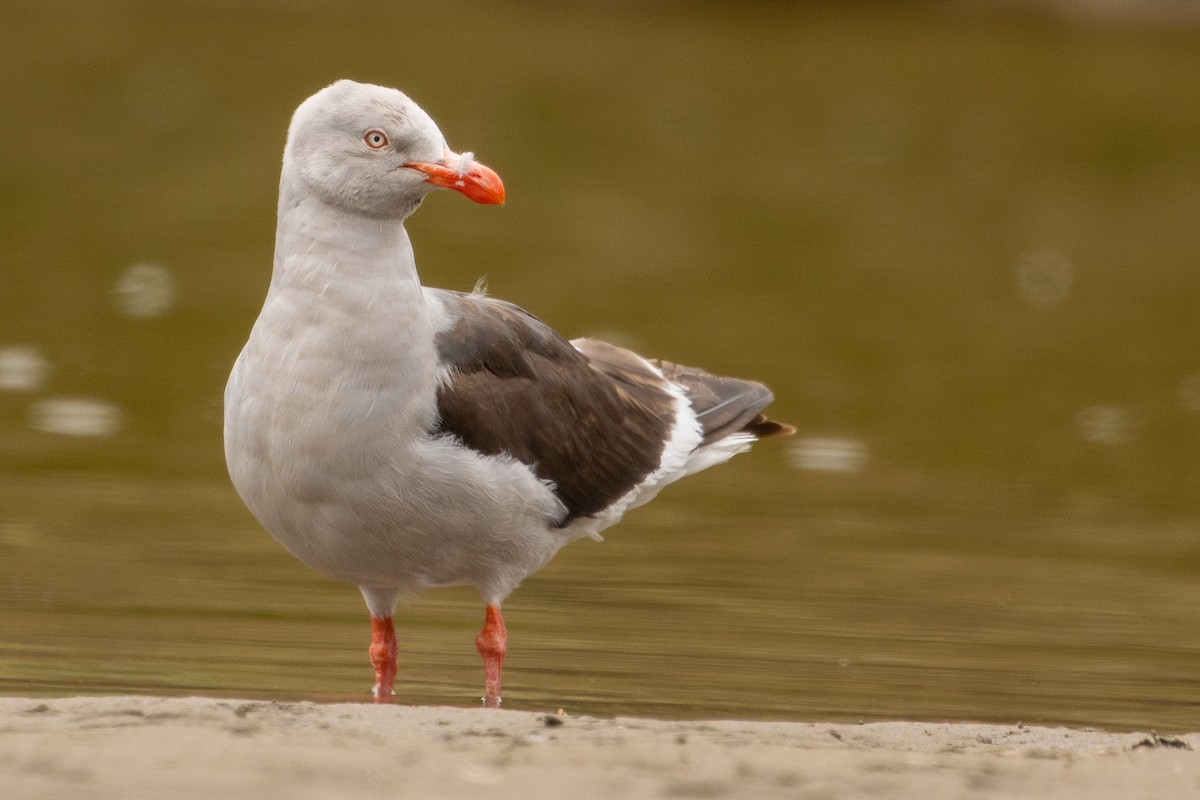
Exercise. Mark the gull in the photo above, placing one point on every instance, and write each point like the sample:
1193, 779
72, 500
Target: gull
399, 437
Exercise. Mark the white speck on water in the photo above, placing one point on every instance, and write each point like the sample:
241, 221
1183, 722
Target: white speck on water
22, 369
76, 416
145, 290
1045, 277
1188, 393
1106, 424
829, 454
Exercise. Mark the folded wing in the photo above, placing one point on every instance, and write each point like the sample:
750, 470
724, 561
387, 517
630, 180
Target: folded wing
590, 417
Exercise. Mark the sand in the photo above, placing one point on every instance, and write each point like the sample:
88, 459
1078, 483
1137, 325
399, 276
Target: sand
134, 747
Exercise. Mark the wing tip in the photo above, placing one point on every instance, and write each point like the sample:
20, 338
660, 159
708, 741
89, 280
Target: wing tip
763, 428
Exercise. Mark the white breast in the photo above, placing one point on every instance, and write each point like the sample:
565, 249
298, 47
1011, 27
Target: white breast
328, 413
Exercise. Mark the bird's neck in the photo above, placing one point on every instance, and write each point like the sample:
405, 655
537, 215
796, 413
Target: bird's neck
346, 305
350, 283
322, 248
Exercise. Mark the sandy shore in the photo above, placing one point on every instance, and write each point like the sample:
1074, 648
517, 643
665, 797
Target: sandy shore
132, 747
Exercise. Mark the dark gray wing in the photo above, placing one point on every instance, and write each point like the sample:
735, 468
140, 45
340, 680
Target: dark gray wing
595, 428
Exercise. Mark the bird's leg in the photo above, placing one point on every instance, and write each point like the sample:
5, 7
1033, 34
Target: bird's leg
492, 642
383, 657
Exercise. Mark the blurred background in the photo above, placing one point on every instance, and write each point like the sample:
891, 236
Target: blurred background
959, 240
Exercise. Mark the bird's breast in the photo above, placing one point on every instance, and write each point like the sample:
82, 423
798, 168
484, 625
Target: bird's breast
324, 395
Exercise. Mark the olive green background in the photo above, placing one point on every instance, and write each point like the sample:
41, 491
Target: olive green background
960, 244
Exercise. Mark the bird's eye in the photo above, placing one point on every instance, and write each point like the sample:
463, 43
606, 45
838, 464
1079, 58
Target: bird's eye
375, 139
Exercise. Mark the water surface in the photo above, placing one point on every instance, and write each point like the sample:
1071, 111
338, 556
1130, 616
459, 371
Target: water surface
961, 248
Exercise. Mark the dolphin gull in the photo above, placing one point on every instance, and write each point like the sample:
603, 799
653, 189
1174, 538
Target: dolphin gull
399, 437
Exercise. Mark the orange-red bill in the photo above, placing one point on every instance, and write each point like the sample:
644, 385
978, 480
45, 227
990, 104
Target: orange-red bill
465, 175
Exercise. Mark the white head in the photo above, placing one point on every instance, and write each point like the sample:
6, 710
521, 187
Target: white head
371, 150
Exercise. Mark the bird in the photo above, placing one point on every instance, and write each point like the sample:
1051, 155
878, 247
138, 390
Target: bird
399, 437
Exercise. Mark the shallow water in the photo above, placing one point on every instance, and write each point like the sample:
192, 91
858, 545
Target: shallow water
961, 248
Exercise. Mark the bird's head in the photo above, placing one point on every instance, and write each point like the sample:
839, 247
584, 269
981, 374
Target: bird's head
371, 150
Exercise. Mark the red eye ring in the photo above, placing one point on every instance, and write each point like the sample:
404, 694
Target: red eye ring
375, 139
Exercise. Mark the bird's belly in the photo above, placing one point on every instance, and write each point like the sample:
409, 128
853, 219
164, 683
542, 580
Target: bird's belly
381, 504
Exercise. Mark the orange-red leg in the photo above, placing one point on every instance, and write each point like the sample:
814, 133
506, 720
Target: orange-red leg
492, 642
383, 657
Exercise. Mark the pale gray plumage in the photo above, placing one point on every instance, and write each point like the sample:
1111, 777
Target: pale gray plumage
336, 428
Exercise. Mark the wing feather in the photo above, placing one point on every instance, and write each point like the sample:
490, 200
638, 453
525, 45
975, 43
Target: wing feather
516, 387
590, 417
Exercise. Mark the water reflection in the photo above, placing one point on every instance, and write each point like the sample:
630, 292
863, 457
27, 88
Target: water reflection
1045, 277
1188, 393
145, 290
75, 416
22, 369
1106, 424
829, 454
